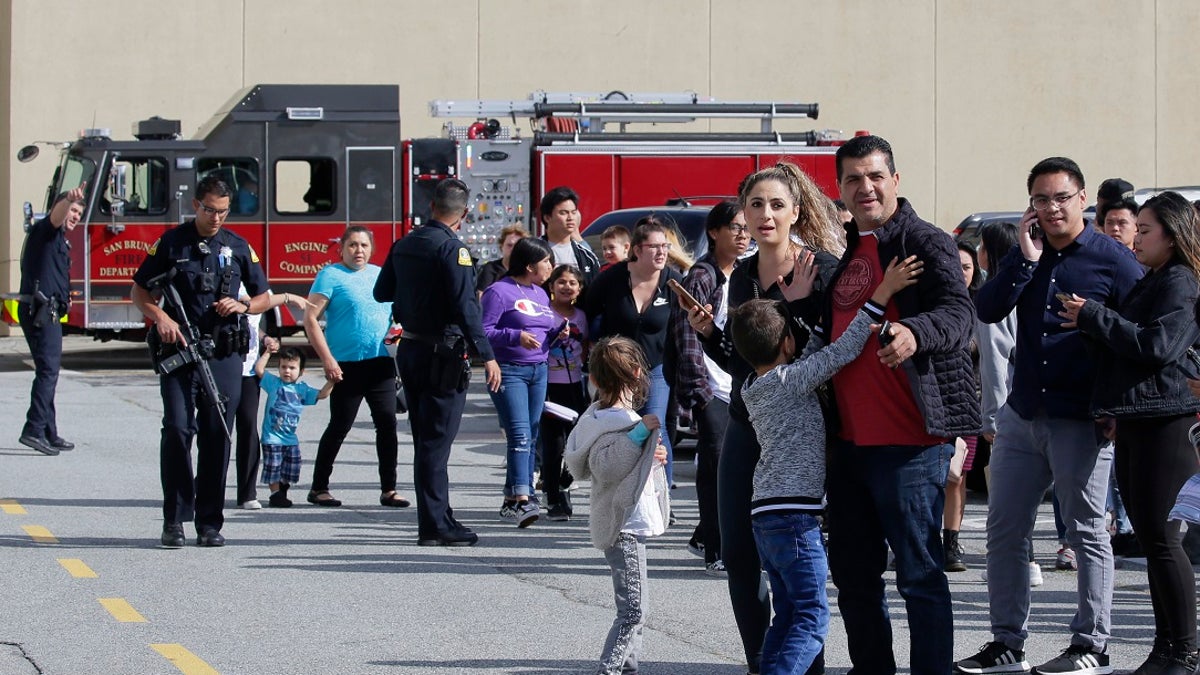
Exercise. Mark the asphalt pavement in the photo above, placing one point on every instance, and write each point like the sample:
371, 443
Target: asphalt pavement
87, 589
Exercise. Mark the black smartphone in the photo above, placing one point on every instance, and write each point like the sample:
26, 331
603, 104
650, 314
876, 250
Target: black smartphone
1035, 231
885, 334
554, 336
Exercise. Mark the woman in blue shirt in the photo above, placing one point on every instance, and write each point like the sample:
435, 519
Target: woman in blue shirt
353, 355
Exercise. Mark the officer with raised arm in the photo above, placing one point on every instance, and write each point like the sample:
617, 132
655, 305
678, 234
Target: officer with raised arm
45, 295
204, 264
430, 280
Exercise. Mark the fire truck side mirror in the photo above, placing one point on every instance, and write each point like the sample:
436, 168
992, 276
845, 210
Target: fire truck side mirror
116, 184
27, 153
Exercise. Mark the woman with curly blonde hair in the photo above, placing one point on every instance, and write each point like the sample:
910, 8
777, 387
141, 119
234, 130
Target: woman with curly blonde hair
796, 228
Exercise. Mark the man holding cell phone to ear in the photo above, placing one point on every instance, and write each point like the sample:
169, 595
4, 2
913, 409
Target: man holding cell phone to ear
1045, 433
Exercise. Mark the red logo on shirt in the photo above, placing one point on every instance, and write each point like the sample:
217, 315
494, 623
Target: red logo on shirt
851, 288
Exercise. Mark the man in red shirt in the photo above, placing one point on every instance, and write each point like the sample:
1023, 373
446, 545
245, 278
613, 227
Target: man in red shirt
900, 406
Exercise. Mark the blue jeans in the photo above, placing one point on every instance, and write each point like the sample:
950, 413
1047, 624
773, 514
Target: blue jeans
891, 495
519, 404
656, 404
794, 558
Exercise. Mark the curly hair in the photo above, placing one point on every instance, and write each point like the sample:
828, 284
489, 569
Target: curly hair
817, 224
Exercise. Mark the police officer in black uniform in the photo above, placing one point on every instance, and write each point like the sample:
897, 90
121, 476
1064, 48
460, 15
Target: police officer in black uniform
429, 278
45, 295
208, 264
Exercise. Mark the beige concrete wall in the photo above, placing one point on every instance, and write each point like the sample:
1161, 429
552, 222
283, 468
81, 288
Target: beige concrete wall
970, 92
7, 259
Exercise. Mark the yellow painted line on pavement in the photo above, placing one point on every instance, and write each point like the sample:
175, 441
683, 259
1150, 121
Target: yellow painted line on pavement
187, 662
11, 507
77, 568
122, 611
39, 534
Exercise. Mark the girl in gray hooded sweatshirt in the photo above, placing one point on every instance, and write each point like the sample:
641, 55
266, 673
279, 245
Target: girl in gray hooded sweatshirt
621, 455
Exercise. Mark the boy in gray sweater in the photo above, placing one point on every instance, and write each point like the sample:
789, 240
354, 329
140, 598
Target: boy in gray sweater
789, 479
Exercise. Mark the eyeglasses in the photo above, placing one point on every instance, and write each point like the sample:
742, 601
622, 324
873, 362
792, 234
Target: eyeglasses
658, 247
738, 229
1059, 200
220, 213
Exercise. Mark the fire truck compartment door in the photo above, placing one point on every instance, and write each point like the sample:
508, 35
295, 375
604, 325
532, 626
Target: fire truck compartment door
370, 186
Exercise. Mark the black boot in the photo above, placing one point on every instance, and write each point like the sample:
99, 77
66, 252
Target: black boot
953, 552
1182, 662
1160, 657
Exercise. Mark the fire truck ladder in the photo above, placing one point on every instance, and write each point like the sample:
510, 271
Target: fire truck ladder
583, 117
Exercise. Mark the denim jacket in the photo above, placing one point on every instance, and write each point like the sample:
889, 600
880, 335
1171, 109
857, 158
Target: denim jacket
1140, 347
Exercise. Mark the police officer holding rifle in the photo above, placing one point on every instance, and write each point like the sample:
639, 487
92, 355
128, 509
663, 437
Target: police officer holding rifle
198, 340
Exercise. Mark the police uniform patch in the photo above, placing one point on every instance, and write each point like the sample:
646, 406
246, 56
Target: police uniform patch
464, 257
153, 247
253, 255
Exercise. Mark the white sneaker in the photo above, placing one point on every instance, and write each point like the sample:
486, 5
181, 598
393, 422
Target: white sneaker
1035, 574
252, 505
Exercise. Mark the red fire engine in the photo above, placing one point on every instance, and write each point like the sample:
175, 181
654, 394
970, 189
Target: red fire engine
305, 161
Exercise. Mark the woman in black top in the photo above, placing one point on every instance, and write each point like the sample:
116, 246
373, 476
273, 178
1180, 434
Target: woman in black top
631, 299
1144, 386
794, 226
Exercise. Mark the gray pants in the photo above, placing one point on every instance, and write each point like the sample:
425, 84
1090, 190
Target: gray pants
1027, 456
627, 560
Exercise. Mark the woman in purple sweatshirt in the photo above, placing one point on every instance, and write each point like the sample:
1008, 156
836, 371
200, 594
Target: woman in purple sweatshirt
519, 324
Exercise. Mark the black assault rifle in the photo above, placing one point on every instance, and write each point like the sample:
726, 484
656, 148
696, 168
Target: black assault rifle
193, 349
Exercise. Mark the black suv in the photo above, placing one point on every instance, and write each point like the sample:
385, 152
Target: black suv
688, 221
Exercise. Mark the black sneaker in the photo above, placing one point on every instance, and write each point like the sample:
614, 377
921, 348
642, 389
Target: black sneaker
1078, 660
557, 513
994, 657
527, 513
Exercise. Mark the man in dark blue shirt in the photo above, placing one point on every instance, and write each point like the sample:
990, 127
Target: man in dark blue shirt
1045, 434
429, 278
45, 295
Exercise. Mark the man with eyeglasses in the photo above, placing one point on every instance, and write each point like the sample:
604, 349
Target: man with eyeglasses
1045, 434
205, 264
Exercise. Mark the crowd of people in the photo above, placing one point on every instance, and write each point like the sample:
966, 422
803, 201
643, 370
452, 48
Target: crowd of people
841, 380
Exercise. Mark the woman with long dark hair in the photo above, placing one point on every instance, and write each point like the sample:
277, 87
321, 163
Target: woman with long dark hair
632, 299
794, 226
520, 324
956, 487
701, 386
1144, 386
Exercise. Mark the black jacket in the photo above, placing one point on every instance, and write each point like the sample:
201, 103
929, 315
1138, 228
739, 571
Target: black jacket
589, 263
1139, 348
743, 287
940, 314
